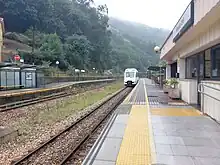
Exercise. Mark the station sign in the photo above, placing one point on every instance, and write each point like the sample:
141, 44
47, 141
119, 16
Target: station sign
184, 23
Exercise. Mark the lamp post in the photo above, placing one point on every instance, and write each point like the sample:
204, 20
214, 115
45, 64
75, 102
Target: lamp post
57, 64
157, 51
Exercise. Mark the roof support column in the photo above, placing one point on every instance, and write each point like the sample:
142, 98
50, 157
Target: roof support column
168, 71
181, 68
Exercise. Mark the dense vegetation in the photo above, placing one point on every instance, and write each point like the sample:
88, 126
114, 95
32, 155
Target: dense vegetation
78, 35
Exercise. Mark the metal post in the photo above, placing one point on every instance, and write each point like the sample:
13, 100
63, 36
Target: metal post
160, 78
57, 63
0, 79
6, 80
58, 75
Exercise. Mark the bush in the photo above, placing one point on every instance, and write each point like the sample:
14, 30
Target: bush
173, 82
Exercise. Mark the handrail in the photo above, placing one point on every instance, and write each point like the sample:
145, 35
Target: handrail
201, 90
201, 87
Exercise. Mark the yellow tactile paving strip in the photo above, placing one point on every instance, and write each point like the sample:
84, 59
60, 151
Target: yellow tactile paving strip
135, 147
175, 112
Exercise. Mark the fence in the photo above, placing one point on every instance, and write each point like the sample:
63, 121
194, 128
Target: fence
45, 80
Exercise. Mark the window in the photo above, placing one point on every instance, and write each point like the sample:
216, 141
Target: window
130, 74
201, 65
216, 62
191, 67
205, 64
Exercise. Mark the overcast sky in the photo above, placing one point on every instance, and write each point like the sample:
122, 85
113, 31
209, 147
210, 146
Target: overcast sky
156, 13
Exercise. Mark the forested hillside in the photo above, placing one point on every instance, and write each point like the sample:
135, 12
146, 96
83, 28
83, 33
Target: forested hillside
78, 35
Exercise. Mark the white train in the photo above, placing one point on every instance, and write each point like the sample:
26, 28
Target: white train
131, 77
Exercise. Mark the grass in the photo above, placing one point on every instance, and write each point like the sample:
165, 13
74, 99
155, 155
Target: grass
63, 109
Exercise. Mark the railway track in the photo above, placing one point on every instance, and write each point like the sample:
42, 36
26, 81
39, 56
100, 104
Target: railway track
62, 147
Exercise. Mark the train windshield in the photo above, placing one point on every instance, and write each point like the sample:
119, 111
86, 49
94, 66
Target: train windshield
130, 74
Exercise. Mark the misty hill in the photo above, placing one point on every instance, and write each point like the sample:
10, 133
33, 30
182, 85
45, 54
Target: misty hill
135, 42
140, 31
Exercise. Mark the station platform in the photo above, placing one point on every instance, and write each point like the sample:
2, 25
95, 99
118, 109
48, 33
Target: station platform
47, 87
150, 129
7, 97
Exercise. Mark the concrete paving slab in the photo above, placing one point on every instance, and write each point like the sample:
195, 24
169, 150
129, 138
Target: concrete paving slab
197, 151
163, 149
206, 161
174, 160
199, 134
176, 133
157, 132
121, 119
101, 162
109, 150
215, 135
179, 150
190, 141
117, 131
168, 140
217, 141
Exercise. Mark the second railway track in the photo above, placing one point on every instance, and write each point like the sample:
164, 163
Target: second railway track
60, 148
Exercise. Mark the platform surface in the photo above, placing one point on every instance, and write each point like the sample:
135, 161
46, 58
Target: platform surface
149, 128
48, 86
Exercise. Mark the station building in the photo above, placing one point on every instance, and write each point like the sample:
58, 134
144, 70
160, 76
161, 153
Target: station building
192, 51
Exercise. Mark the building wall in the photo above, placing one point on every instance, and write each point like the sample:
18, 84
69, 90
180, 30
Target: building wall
202, 7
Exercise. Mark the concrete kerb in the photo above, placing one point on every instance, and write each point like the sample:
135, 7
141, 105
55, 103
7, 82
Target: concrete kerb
97, 145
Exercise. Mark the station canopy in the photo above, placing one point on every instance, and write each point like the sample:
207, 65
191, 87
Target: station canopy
5, 65
156, 68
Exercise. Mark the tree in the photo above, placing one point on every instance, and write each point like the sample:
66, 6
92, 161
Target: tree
77, 49
52, 49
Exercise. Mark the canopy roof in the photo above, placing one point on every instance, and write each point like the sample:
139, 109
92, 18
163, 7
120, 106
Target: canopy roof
156, 68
